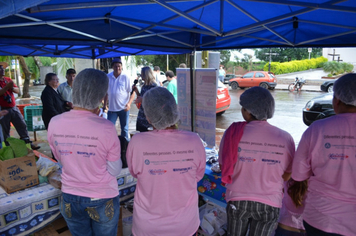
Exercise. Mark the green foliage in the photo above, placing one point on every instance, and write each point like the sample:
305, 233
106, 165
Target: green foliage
333, 67
293, 66
63, 64
348, 67
161, 61
287, 54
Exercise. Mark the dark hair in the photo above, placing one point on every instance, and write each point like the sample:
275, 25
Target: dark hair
71, 71
182, 65
297, 190
116, 60
49, 77
169, 73
156, 68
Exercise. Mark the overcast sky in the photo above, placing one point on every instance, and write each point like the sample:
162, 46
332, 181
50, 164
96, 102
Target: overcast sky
240, 54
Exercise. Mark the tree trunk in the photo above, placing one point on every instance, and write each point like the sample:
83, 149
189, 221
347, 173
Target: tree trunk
38, 62
26, 85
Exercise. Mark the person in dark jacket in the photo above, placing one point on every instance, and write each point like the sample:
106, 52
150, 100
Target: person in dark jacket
52, 101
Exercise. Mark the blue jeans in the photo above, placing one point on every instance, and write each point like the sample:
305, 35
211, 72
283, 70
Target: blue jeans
283, 232
85, 217
312, 231
124, 121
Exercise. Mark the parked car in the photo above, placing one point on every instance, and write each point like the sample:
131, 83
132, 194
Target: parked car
223, 99
263, 79
318, 108
228, 77
328, 86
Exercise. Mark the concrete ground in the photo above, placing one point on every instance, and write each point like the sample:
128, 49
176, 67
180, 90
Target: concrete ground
313, 82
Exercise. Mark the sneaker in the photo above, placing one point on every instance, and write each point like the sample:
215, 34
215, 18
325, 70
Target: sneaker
35, 147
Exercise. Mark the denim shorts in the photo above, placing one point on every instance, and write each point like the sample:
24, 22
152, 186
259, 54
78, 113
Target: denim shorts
86, 216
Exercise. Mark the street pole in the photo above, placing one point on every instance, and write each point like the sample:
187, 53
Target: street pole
270, 59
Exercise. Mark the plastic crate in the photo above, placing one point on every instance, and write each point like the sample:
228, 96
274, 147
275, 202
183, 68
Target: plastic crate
22, 107
33, 118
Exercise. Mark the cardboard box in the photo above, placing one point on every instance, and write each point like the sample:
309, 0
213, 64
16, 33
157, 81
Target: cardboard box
18, 173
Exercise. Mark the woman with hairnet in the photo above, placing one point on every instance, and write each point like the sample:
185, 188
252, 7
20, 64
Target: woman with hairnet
88, 148
166, 197
326, 156
255, 158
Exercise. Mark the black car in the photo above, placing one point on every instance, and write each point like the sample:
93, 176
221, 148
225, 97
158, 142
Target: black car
318, 108
327, 86
228, 77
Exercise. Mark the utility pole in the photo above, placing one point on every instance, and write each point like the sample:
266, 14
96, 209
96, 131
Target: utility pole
270, 59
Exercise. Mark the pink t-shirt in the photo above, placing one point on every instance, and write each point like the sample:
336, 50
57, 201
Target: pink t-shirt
265, 152
289, 214
167, 164
327, 156
83, 143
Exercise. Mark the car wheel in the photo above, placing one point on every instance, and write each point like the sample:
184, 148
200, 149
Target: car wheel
264, 85
220, 113
234, 85
330, 88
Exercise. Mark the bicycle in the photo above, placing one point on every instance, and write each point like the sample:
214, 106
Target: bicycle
296, 85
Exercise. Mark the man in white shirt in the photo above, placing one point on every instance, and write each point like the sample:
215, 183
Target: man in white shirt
65, 89
157, 74
119, 97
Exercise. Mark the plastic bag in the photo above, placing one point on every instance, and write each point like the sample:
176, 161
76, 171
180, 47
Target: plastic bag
46, 166
54, 178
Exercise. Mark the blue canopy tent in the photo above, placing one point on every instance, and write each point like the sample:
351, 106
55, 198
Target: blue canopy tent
98, 29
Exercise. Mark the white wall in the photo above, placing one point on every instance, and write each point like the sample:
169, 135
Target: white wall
346, 54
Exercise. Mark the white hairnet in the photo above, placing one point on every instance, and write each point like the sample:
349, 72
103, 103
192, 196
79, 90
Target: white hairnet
89, 88
259, 102
345, 89
160, 108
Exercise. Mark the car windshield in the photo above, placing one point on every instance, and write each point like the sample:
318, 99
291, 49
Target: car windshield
271, 75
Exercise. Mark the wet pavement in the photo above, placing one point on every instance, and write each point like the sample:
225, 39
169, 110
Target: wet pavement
288, 113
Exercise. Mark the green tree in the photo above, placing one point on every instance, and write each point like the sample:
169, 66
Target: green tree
287, 54
161, 61
245, 62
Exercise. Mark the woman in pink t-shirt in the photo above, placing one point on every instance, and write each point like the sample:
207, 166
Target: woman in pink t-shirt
167, 163
326, 158
88, 149
255, 159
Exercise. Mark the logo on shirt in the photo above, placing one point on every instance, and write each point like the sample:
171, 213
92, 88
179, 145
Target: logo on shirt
65, 152
86, 154
147, 162
89, 145
157, 172
277, 153
271, 162
56, 143
327, 145
247, 159
239, 149
182, 170
336, 156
